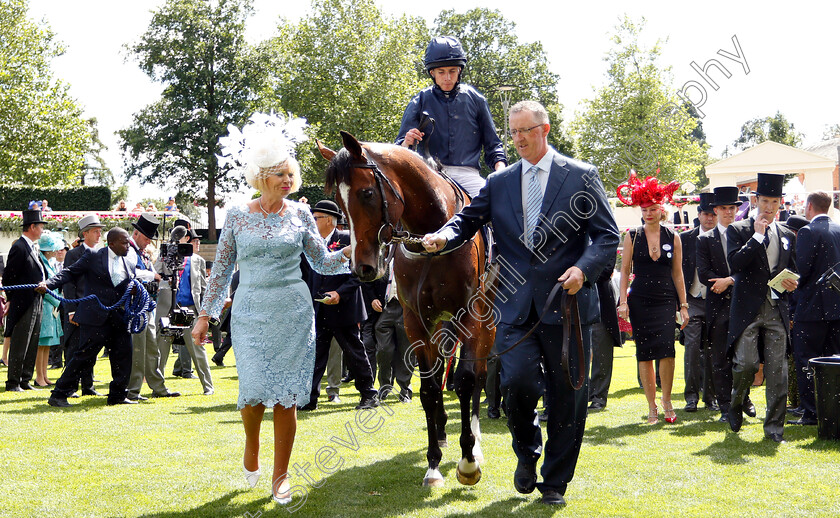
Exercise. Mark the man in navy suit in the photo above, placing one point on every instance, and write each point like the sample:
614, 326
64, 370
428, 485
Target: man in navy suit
107, 274
816, 321
697, 360
758, 249
552, 224
340, 313
24, 317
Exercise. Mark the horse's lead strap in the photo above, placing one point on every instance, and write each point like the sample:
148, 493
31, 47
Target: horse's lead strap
571, 318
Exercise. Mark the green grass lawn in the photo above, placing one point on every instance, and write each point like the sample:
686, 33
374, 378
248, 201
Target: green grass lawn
182, 457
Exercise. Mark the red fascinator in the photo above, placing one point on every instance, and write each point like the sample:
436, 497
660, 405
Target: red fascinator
647, 192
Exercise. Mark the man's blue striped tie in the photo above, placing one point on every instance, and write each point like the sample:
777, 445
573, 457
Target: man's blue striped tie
534, 203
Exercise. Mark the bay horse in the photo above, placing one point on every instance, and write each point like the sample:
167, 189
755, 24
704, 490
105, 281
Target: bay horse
387, 191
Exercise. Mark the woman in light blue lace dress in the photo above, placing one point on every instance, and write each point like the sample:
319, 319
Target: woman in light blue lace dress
272, 318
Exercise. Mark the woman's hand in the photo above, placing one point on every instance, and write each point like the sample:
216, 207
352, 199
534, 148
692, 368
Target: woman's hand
199, 332
684, 316
623, 311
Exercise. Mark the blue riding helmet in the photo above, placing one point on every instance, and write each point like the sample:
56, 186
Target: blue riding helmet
444, 51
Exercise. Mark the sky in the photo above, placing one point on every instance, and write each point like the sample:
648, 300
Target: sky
787, 46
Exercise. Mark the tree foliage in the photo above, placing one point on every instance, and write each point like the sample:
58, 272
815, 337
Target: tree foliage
636, 121
497, 58
211, 78
346, 66
43, 137
775, 129
831, 132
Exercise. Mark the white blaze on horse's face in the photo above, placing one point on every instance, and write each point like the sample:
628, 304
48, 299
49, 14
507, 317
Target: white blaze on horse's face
344, 192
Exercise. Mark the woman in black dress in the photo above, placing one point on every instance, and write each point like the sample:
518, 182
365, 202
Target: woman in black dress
654, 254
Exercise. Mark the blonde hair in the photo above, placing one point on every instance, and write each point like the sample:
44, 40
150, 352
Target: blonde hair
256, 179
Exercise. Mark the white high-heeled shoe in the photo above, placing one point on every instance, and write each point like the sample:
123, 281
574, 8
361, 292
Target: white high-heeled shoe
252, 476
285, 499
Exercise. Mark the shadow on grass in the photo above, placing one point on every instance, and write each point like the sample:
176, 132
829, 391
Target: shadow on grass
733, 450
40, 406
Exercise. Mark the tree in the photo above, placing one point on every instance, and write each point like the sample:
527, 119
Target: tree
831, 132
775, 129
43, 137
636, 121
496, 58
212, 78
346, 66
95, 167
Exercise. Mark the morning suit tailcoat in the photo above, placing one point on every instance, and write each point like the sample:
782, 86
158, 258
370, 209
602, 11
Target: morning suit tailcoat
751, 271
711, 264
689, 255
351, 306
576, 228
22, 267
817, 250
606, 299
74, 289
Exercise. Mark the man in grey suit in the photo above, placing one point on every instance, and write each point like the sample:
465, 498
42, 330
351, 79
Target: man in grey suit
553, 224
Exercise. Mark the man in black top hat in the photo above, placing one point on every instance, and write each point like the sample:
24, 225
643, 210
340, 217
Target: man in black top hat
24, 318
145, 353
816, 327
697, 360
713, 272
758, 249
339, 314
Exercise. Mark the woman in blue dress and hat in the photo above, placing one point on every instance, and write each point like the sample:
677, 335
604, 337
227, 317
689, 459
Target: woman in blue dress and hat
272, 317
50, 244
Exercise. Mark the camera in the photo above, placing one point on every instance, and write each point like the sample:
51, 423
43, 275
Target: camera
173, 254
179, 319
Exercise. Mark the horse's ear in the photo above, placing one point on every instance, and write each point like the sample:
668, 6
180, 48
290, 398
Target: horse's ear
352, 145
325, 151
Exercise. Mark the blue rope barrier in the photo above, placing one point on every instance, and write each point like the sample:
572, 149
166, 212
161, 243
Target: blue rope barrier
135, 305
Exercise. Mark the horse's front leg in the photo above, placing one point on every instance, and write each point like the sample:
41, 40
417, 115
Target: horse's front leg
467, 389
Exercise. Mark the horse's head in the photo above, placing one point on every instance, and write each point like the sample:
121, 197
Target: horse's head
369, 199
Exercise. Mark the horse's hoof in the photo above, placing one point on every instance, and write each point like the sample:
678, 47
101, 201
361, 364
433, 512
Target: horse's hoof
443, 443
433, 478
468, 479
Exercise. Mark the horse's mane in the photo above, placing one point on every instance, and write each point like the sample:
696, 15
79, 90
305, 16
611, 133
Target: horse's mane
339, 170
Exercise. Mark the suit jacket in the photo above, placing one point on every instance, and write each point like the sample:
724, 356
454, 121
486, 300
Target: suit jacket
749, 267
22, 267
817, 250
689, 255
606, 298
73, 289
375, 290
578, 229
711, 264
92, 267
350, 309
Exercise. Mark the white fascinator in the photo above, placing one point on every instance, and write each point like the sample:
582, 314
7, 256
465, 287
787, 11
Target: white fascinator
265, 141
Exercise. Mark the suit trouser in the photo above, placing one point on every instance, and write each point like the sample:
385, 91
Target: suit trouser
350, 342
198, 353
721, 362
114, 334
697, 360
392, 344
524, 382
23, 345
602, 363
812, 339
369, 339
164, 343
71, 333
225, 347
145, 358
335, 368
768, 323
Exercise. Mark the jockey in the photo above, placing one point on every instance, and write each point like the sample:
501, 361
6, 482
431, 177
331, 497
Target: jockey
463, 124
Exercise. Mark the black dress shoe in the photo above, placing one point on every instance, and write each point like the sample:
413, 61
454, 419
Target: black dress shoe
798, 411
493, 412
691, 406
775, 437
189, 376
90, 392
167, 394
552, 497
312, 405
125, 401
367, 402
804, 421
736, 417
218, 362
74, 395
139, 398
525, 477
348, 378
14, 389
595, 406
724, 418
713, 406
59, 402
27, 386
749, 408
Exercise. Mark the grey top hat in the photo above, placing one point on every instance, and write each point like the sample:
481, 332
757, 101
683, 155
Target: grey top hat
89, 221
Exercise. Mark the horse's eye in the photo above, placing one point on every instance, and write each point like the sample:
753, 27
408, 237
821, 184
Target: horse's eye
367, 193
